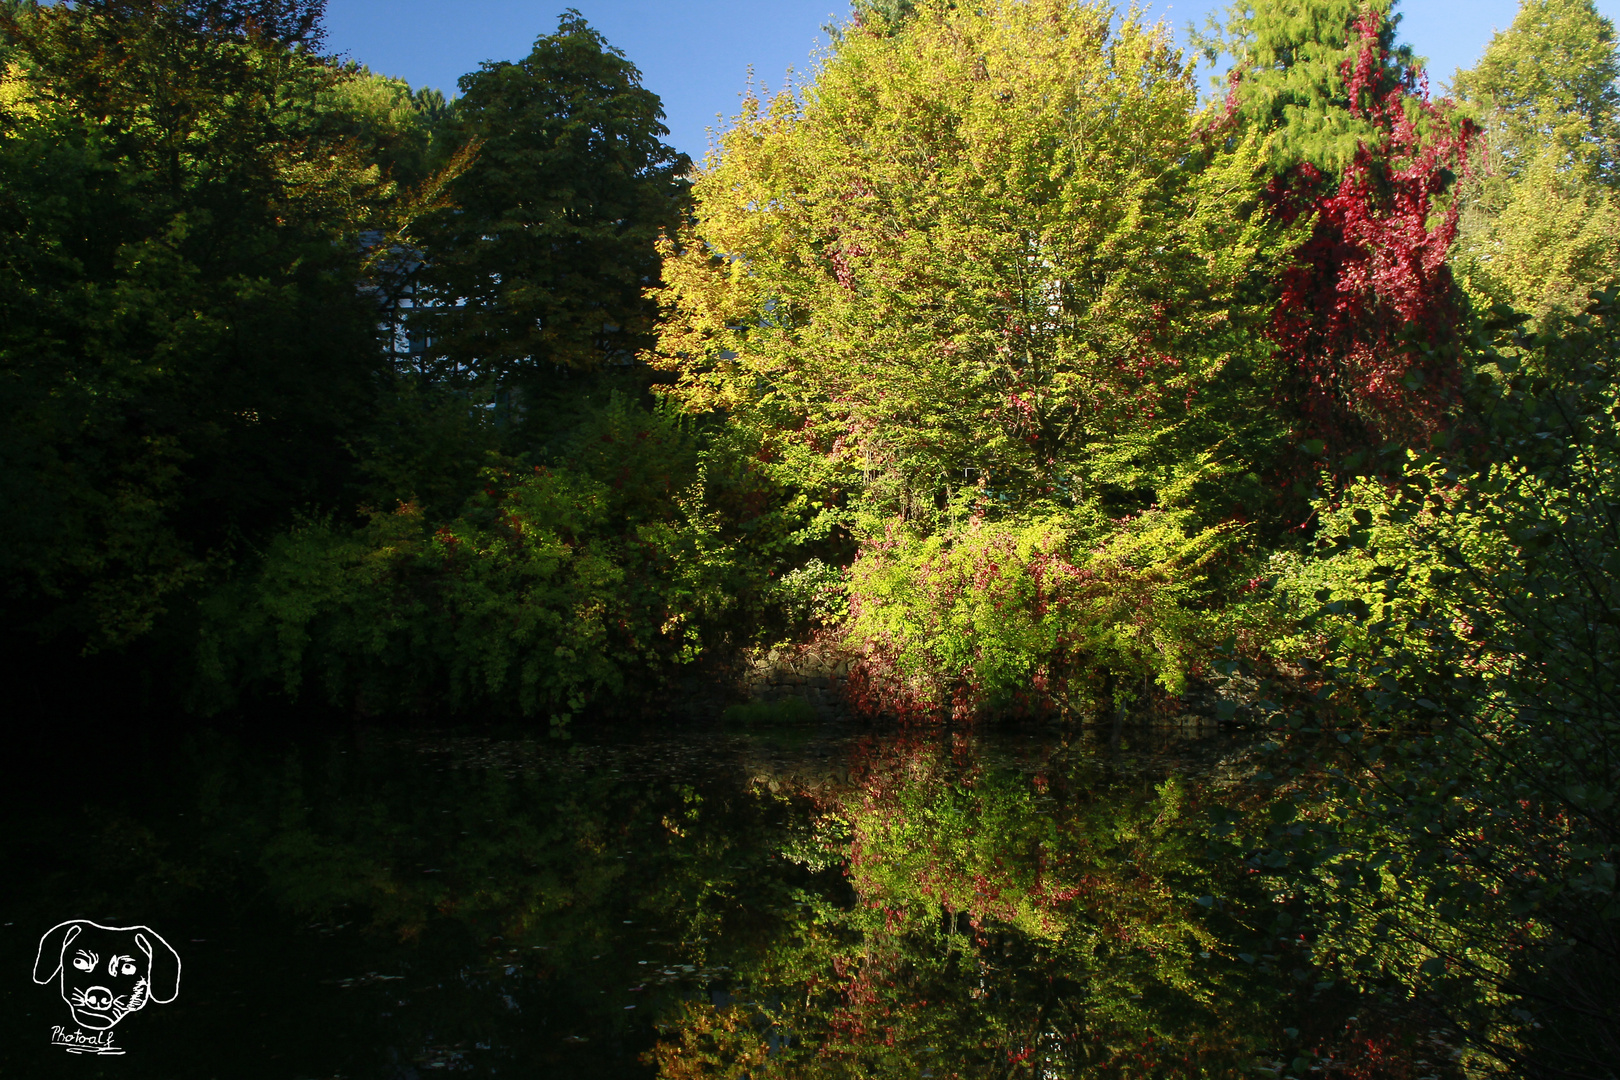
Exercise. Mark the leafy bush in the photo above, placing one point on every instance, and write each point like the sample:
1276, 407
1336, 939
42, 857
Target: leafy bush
813, 596
1035, 611
1458, 836
554, 588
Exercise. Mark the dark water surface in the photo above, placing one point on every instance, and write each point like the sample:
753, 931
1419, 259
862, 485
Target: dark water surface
685, 902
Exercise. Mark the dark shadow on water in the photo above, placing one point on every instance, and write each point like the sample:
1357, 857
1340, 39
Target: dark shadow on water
708, 900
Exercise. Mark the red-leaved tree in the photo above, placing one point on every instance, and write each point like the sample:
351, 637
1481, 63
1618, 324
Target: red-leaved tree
1367, 321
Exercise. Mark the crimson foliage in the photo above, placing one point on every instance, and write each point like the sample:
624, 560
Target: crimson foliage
1367, 319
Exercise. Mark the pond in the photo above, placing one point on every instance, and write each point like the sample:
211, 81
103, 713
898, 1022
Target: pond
695, 901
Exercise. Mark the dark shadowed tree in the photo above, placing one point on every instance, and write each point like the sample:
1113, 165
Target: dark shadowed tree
545, 259
294, 23
185, 344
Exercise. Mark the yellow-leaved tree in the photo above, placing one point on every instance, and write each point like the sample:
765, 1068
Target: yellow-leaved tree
1541, 225
992, 273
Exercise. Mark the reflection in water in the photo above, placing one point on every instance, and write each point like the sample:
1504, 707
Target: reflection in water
711, 904
1035, 920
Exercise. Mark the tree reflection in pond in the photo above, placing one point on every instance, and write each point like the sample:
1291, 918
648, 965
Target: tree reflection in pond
999, 922
686, 905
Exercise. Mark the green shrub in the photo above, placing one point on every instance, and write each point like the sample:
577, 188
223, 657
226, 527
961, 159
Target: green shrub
1453, 761
555, 588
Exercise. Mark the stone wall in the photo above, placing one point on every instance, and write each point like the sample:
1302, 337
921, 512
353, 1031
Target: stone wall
814, 673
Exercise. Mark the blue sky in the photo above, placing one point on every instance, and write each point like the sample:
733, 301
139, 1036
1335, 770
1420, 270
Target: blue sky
695, 54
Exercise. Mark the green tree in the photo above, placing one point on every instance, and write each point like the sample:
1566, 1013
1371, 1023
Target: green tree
405, 132
543, 262
1296, 73
186, 343
1542, 225
946, 265
1549, 81
1367, 312
1452, 746
985, 272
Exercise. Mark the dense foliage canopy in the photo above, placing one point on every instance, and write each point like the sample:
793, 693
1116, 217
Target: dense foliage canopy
542, 257
992, 355
186, 344
1540, 227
